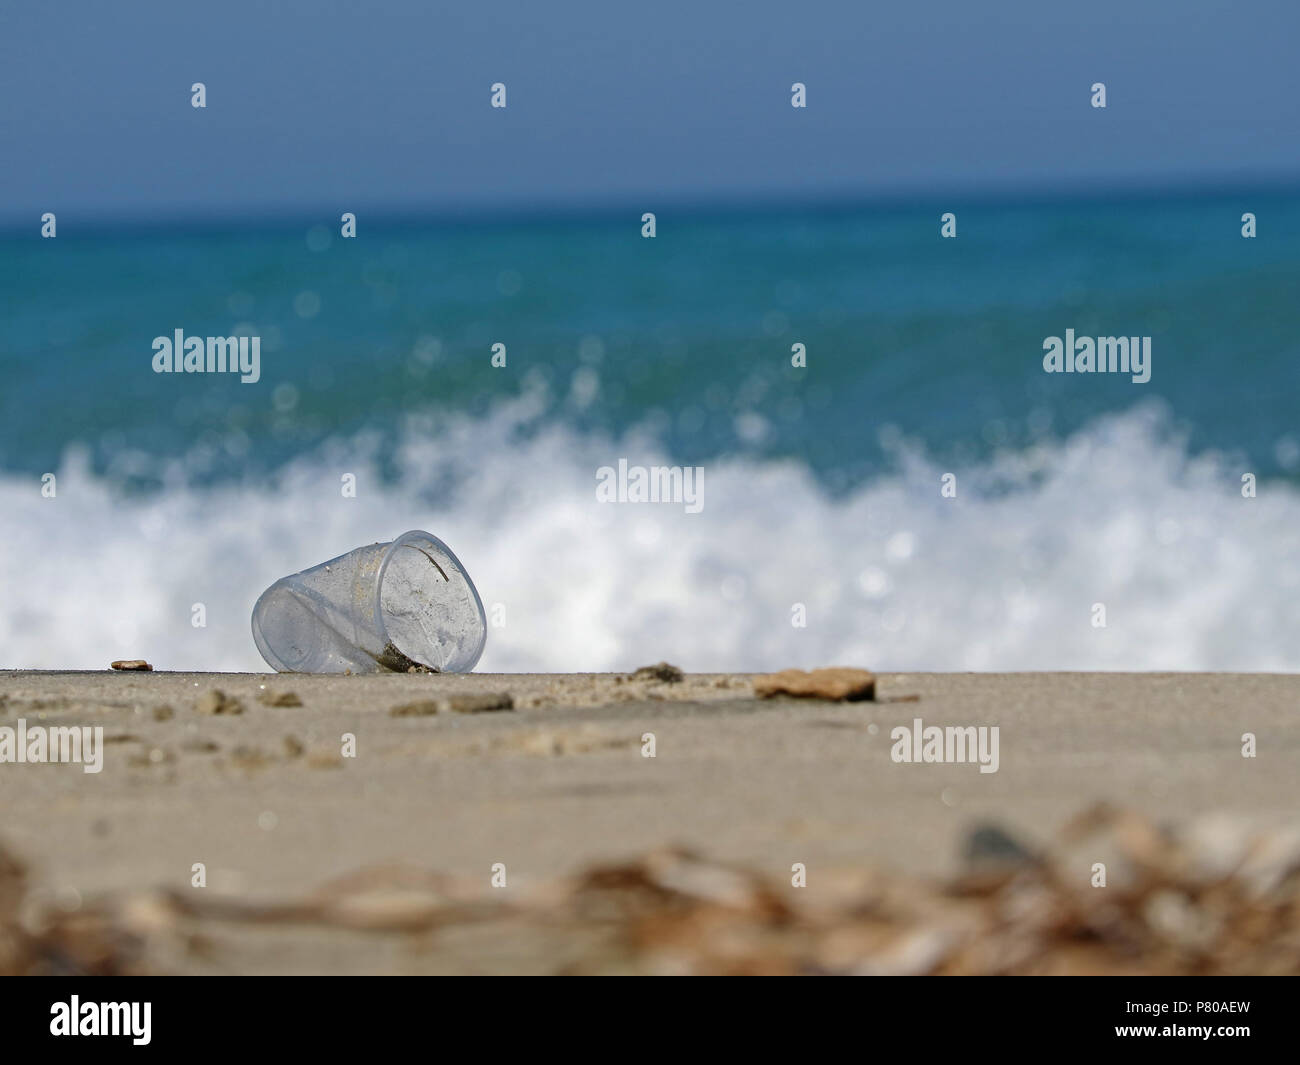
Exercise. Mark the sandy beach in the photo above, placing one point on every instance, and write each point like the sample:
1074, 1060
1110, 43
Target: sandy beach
270, 799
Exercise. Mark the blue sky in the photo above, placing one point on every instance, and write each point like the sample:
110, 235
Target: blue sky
385, 105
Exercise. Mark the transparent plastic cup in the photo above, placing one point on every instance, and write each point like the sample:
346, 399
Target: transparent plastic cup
383, 608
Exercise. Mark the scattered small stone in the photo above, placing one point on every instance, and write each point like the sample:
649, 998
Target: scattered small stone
852, 685
324, 760
245, 757
423, 708
218, 702
662, 671
456, 704
163, 713
990, 846
279, 699
137, 664
198, 746
293, 747
478, 704
122, 737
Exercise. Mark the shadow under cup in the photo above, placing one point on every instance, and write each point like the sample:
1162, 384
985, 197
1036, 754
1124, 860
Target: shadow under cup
384, 607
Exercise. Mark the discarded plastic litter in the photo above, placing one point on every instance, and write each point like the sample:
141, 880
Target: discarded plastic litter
386, 607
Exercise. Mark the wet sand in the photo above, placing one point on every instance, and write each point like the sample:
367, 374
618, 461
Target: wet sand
267, 800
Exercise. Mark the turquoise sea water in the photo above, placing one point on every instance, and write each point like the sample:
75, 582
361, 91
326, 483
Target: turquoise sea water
924, 356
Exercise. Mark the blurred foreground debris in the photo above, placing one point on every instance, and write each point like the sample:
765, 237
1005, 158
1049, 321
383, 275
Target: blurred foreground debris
1214, 897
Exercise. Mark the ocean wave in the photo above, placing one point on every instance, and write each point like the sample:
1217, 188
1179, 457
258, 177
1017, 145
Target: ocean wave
892, 575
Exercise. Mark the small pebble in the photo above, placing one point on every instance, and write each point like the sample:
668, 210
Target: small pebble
833, 684
218, 702
246, 757
478, 704
456, 704
989, 845
423, 708
279, 699
663, 671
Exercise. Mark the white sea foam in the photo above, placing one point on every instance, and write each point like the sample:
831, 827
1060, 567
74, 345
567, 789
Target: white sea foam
1004, 577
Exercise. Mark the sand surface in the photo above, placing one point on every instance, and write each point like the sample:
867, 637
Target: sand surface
265, 799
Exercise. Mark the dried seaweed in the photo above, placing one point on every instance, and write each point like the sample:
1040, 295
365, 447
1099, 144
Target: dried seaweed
1213, 897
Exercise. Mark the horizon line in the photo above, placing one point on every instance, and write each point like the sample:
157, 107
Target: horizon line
571, 209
